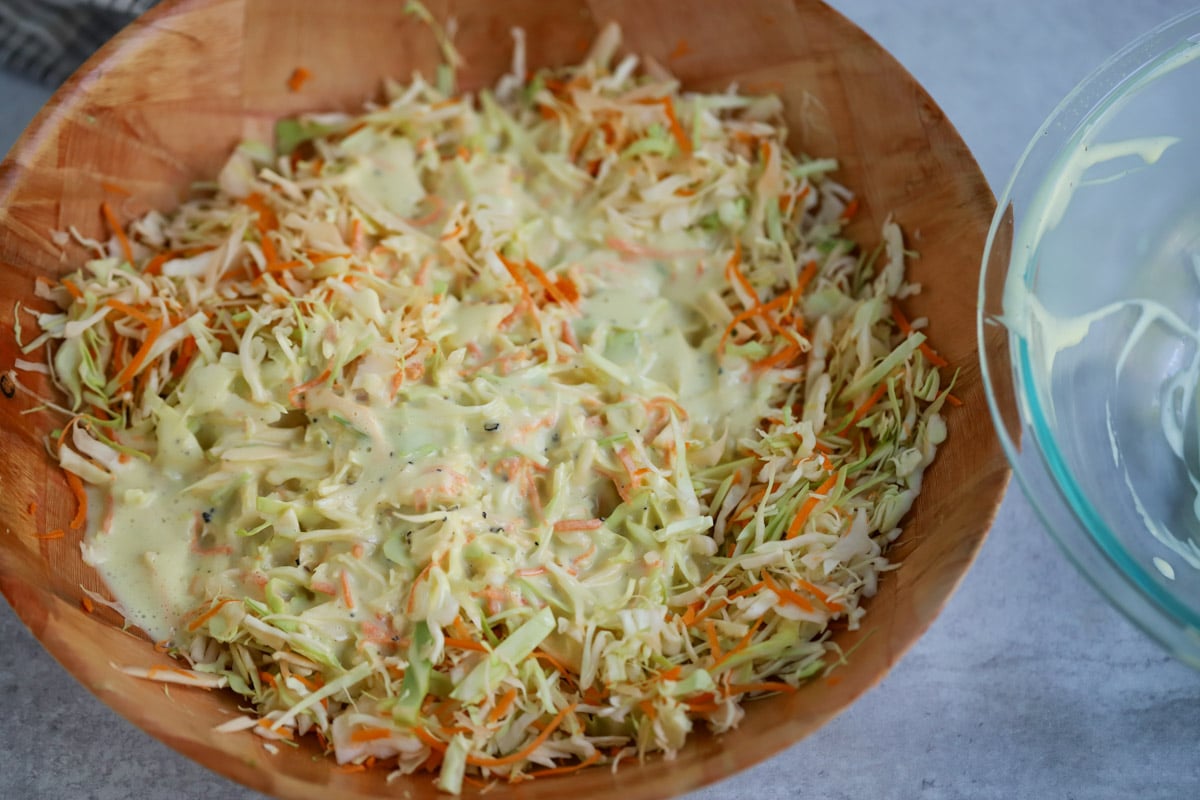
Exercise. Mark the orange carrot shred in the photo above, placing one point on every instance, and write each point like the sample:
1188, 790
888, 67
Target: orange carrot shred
347, 594
502, 705
117, 230
681, 50
71, 288
810, 504
906, 328
545, 773
465, 644
370, 735
564, 525
57, 533
429, 739
748, 590
295, 392
135, 364
207, 615
81, 497
524, 752
735, 274
681, 138
298, 78
33, 507
851, 210
672, 674
86, 603
741, 645
714, 645
866, 406
821, 595
787, 595
954, 401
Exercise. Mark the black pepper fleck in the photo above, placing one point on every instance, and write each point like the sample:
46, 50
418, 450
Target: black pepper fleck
491, 427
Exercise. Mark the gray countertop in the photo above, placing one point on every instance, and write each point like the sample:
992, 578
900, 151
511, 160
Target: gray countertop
1027, 686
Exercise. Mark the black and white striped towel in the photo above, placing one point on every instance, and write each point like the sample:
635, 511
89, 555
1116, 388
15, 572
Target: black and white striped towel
47, 40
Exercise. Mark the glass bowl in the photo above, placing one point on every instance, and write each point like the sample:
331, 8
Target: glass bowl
1089, 329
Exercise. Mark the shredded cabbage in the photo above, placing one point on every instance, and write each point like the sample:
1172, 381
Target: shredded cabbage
504, 433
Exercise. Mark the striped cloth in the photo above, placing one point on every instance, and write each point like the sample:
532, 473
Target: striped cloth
47, 40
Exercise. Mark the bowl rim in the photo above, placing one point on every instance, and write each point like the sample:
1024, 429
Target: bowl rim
1089, 544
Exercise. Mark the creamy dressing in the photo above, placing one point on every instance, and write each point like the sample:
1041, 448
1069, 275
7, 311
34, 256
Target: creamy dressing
446, 446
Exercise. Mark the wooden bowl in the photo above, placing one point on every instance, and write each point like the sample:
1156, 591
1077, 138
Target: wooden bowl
163, 104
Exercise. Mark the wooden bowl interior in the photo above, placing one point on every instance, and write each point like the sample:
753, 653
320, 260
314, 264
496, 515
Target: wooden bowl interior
163, 104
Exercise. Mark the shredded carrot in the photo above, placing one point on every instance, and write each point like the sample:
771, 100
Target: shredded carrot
298, 78
412, 592
821, 595
295, 392
347, 595
551, 289
780, 358
207, 615
681, 138
714, 644
806, 276
71, 288
33, 507
741, 645
735, 274
129, 311
363, 735
833, 680
155, 265
747, 591
57, 533
117, 230
502, 705
565, 525
524, 752
712, 609
266, 217
814, 498
672, 674
851, 210
787, 595
866, 406
81, 497
513, 270
87, 604
545, 773
681, 50
562, 668
647, 707
906, 328
135, 364
429, 739
465, 644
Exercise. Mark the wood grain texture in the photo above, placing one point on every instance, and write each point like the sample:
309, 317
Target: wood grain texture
162, 105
